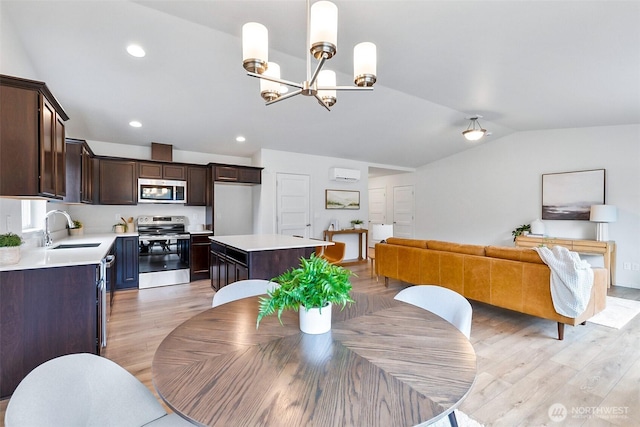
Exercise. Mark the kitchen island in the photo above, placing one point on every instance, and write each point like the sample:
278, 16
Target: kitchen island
256, 256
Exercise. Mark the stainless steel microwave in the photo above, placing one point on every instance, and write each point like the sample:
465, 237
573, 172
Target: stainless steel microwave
161, 191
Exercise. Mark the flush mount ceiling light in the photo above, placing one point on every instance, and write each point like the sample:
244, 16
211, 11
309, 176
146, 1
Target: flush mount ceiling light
322, 35
135, 124
135, 50
474, 133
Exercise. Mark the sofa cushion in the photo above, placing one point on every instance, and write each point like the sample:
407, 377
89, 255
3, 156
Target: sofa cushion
414, 243
514, 254
437, 245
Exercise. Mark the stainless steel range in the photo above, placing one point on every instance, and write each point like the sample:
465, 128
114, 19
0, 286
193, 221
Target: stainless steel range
164, 251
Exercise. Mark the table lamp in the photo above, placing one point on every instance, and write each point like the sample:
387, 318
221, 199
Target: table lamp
603, 215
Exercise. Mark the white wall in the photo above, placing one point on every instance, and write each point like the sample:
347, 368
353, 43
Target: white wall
14, 60
480, 195
317, 167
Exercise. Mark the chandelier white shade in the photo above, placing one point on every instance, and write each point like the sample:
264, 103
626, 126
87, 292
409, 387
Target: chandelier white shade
270, 90
255, 47
323, 29
474, 131
327, 78
364, 64
322, 41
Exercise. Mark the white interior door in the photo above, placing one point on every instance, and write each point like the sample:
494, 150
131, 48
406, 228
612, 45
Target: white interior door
377, 211
403, 206
293, 211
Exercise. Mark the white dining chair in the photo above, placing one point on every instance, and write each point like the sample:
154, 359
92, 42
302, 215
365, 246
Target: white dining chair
85, 390
448, 304
242, 289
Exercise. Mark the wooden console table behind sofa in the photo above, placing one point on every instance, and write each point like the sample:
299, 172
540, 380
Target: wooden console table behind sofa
606, 249
328, 235
507, 277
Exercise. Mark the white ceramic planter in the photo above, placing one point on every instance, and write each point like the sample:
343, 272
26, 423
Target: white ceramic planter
313, 322
9, 255
76, 231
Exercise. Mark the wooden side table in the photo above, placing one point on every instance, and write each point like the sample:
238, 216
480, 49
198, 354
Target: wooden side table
590, 247
328, 235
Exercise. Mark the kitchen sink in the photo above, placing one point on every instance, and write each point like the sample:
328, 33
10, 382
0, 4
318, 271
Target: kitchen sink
77, 245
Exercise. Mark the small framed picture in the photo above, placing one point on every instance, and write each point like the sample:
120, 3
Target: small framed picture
342, 199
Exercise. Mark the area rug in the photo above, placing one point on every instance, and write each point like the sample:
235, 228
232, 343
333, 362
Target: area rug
462, 418
618, 313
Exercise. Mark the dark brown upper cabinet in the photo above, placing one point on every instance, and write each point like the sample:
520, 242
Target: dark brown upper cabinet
32, 140
153, 170
79, 172
118, 182
197, 182
237, 174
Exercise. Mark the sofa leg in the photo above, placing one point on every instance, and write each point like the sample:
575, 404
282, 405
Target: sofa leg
386, 282
584, 323
560, 331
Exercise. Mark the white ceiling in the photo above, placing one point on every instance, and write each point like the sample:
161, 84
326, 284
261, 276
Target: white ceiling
523, 65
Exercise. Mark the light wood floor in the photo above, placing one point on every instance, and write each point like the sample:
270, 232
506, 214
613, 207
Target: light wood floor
522, 368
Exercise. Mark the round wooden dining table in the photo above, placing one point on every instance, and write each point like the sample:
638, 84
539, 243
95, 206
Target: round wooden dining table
384, 363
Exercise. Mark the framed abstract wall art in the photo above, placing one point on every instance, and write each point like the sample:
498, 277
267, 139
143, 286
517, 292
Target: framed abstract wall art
569, 195
342, 199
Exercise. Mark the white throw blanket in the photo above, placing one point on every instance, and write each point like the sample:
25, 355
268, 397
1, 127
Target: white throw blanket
571, 280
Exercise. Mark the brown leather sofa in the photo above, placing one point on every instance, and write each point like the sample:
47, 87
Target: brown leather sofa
512, 278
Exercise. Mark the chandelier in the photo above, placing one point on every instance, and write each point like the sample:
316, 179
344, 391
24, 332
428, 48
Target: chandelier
472, 133
322, 35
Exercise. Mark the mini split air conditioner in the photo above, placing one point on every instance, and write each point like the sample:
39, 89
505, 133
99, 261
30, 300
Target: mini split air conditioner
345, 175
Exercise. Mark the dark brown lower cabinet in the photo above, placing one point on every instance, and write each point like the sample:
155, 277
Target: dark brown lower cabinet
45, 313
199, 257
126, 265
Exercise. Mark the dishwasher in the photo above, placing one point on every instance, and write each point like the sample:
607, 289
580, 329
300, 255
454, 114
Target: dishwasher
105, 275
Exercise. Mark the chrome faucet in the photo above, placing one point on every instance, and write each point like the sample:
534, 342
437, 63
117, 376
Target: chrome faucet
48, 241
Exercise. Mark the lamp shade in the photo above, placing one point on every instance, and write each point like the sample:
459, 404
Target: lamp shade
323, 29
364, 64
603, 213
255, 47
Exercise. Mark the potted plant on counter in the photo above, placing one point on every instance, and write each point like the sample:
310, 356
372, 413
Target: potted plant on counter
77, 229
310, 289
10, 248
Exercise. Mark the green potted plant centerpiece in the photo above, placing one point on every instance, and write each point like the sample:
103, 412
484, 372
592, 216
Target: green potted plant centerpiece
357, 223
77, 229
310, 289
10, 248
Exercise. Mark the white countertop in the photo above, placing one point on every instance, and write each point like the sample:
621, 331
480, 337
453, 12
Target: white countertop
267, 242
32, 258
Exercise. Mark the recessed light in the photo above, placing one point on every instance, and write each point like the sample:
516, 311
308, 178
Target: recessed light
135, 124
136, 50
240, 139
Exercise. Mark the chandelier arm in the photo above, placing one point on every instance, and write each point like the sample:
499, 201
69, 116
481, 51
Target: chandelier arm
274, 79
321, 101
287, 96
317, 71
345, 88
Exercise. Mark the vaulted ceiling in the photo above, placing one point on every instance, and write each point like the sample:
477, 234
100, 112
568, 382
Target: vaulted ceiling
523, 65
